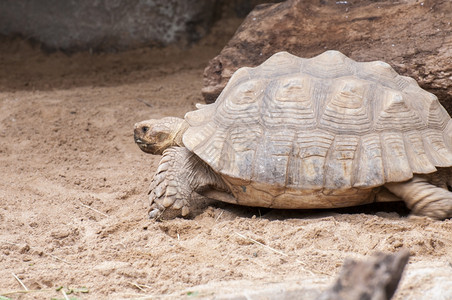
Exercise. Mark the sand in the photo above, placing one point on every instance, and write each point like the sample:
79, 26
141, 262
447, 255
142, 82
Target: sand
73, 192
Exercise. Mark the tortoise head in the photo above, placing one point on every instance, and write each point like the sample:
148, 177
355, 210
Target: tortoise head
154, 136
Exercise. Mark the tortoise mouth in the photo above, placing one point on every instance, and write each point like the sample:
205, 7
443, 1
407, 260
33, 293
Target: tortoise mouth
144, 146
151, 148
148, 148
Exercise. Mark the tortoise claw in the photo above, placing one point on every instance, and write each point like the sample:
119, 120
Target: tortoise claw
155, 213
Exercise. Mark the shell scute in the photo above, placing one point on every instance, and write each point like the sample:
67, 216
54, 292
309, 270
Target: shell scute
437, 115
347, 109
396, 165
339, 168
288, 103
279, 64
370, 173
437, 148
395, 113
306, 167
448, 135
379, 72
272, 156
417, 156
329, 64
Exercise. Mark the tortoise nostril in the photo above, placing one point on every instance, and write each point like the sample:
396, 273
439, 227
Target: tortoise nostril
144, 129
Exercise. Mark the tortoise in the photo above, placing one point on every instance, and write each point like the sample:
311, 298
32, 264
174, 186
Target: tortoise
296, 133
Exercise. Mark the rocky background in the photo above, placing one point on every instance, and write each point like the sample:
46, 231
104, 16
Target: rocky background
104, 25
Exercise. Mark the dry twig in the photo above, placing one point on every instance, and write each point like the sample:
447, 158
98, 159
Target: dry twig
140, 286
219, 216
57, 258
144, 102
65, 295
93, 209
20, 281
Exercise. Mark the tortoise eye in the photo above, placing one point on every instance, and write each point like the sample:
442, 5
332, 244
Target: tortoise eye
144, 129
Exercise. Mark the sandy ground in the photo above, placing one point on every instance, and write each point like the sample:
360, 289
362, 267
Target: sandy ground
73, 210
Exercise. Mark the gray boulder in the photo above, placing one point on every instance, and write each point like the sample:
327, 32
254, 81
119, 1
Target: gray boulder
106, 25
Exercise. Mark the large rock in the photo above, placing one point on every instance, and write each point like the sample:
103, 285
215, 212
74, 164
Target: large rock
106, 25
414, 37
376, 278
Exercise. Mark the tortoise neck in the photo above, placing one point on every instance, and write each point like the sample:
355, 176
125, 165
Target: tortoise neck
179, 133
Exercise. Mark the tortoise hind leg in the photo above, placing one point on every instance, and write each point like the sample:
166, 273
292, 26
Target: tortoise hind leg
423, 197
180, 173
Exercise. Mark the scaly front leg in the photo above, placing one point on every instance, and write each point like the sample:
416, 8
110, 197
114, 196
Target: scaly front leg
179, 174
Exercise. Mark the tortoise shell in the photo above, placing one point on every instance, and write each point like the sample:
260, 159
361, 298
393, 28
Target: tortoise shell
327, 125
